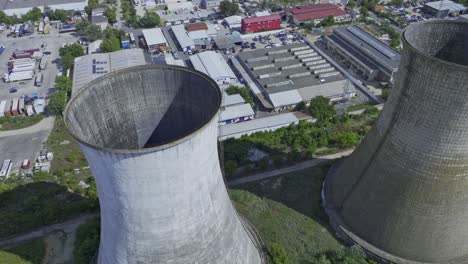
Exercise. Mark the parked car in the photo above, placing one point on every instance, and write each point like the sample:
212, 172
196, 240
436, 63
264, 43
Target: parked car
13, 90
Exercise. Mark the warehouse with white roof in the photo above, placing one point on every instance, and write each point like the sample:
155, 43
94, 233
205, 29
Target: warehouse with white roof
92, 66
155, 39
186, 43
214, 65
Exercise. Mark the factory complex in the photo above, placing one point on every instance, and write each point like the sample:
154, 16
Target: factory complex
22, 7
363, 53
291, 74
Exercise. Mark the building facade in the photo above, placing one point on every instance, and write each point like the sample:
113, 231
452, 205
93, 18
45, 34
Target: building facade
316, 13
258, 24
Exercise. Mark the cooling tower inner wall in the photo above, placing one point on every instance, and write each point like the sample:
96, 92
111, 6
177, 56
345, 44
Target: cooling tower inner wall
143, 108
435, 40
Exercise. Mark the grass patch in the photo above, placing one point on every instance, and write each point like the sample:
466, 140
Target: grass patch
36, 204
18, 122
87, 241
30, 252
289, 213
67, 153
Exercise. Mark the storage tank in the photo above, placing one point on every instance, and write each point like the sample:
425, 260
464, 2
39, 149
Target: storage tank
403, 194
149, 134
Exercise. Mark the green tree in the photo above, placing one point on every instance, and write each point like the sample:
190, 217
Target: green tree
351, 4
321, 109
111, 14
230, 167
228, 8
74, 49
63, 84
149, 20
93, 32
57, 102
67, 61
82, 25
34, 14
385, 93
242, 91
111, 44
328, 21
277, 254
87, 241
60, 14
347, 139
364, 11
93, 4
3, 17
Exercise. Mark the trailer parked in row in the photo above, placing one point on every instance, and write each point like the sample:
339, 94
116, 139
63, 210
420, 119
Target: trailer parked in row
5, 169
2, 108
18, 76
43, 63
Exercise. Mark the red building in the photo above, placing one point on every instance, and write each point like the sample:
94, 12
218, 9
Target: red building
263, 23
316, 13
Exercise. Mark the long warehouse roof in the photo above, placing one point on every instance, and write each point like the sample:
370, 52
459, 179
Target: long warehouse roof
212, 64
154, 36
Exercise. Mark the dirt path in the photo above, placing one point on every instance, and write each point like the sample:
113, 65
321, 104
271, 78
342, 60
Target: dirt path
296, 167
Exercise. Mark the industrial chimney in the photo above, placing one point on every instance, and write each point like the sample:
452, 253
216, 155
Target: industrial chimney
403, 194
149, 134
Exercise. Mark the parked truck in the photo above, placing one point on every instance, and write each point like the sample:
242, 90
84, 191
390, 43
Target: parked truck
19, 76
40, 29
43, 63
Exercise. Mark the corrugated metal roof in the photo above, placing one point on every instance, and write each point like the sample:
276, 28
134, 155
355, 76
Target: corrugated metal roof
212, 64
249, 20
154, 36
285, 98
233, 20
232, 99
92, 66
447, 5
259, 124
182, 36
317, 14
196, 26
236, 111
198, 34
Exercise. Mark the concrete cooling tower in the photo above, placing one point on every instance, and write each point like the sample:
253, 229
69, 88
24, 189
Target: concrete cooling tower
149, 134
403, 194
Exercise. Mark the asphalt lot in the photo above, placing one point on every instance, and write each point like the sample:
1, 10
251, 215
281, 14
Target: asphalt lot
52, 43
24, 143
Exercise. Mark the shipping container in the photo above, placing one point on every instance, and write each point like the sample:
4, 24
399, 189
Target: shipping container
29, 110
5, 169
39, 105
21, 106
38, 80
41, 27
43, 63
7, 111
2, 108
19, 76
15, 107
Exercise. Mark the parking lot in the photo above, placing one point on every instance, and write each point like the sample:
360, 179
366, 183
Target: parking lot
26, 143
52, 43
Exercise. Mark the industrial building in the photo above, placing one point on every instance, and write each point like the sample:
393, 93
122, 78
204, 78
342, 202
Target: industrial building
213, 64
402, 194
233, 22
227, 41
257, 24
201, 39
20, 8
294, 73
149, 134
363, 53
210, 4
100, 21
269, 123
182, 37
444, 8
89, 67
235, 109
155, 40
95, 46
316, 13
196, 26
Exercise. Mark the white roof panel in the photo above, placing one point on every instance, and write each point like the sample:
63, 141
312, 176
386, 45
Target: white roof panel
232, 99
285, 98
182, 36
236, 111
198, 34
213, 64
154, 36
258, 124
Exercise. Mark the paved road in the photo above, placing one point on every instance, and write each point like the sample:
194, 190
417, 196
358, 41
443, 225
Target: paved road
45, 124
299, 166
67, 226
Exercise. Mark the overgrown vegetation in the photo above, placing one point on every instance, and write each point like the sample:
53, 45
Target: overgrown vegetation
286, 210
228, 8
68, 54
57, 101
18, 122
30, 252
149, 20
45, 200
129, 13
295, 143
86, 242
242, 91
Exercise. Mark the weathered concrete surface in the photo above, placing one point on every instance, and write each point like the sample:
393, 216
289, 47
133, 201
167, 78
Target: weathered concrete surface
403, 193
150, 136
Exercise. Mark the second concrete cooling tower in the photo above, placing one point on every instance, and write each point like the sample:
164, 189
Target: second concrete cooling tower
403, 193
150, 136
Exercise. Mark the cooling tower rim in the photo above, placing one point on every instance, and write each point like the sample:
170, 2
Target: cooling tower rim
144, 68
437, 60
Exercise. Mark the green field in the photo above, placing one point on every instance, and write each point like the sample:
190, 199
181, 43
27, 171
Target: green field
287, 210
18, 122
31, 252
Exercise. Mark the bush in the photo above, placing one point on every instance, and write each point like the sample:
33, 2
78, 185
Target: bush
321, 109
230, 167
87, 241
277, 254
